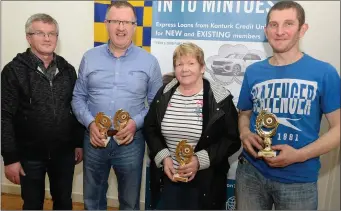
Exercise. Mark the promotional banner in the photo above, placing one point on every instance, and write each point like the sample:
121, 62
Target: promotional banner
231, 33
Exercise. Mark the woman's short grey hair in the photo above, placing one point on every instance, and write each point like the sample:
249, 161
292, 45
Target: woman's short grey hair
45, 18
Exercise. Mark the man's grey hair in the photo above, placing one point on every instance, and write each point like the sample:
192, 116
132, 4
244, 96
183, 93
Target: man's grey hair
121, 4
45, 18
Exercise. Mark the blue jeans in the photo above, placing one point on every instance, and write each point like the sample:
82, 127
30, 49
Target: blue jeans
60, 170
126, 161
255, 192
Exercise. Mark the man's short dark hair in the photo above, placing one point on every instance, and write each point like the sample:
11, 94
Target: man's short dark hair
283, 5
120, 4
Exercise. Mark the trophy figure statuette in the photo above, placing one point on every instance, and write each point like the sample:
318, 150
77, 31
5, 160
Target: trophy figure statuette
183, 155
103, 123
120, 119
269, 121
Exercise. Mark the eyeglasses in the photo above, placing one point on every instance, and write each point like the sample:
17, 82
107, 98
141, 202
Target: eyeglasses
118, 22
43, 34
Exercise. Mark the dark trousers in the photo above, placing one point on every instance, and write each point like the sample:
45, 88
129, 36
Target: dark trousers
179, 196
60, 170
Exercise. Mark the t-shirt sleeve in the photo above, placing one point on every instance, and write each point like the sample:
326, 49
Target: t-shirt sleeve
245, 98
330, 97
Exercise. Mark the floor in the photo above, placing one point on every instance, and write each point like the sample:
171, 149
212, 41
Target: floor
14, 202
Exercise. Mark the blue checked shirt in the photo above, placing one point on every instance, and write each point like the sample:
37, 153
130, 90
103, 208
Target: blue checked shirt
106, 83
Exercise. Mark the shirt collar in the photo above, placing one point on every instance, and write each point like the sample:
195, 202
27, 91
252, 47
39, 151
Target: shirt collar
39, 62
126, 53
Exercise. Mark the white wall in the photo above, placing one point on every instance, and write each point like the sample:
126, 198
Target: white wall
322, 41
75, 19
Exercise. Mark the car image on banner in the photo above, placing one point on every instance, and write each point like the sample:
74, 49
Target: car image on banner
229, 65
234, 64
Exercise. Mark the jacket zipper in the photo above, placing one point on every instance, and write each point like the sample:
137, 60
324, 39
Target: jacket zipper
51, 88
53, 103
54, 107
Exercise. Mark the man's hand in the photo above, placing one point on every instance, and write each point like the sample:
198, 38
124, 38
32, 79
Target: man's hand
190, 169
13, 171
168, 168
251, 140
126, 135
288, 155
95, 136
78, 155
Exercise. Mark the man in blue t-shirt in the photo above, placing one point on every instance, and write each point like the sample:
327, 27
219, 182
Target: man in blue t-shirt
298, 89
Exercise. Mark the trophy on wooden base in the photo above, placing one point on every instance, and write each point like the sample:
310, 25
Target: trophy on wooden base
183, 154
103, 124
120, 119
266, 126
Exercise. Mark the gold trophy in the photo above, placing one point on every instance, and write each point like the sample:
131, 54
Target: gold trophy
120, 119
103, 123
183, 154
270, 122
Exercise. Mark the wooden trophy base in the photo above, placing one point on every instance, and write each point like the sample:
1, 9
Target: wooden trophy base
106, 141
178, 178
268, 154
112, 132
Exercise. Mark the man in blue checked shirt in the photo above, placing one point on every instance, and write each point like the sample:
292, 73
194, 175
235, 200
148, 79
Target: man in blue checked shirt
113, 76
